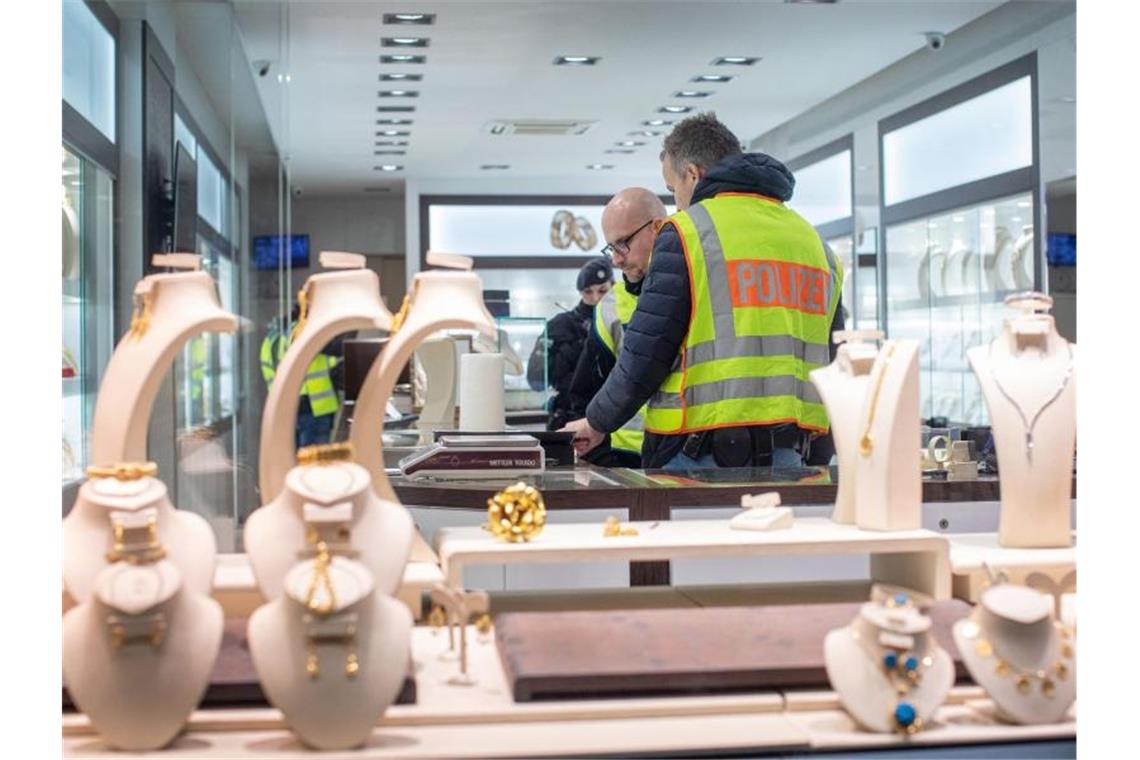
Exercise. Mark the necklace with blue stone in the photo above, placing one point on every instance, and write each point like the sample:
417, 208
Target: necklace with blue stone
903, 668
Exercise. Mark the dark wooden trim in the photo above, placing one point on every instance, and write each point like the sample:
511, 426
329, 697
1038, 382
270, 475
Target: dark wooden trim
84, 137
537, 261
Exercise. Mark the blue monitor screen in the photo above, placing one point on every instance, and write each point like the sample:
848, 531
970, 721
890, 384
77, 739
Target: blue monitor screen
1061, 249
267, 251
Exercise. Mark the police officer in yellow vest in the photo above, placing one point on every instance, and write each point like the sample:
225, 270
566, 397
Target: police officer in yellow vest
629, 222
319, 402
738, 305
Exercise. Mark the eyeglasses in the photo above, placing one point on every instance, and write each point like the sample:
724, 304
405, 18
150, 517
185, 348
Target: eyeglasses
621, 245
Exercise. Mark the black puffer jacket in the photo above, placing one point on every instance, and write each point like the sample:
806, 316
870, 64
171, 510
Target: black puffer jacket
565, 335
655, 334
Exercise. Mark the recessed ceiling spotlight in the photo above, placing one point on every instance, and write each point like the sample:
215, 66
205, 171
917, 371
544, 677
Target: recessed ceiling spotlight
401, 77
674, 109
711, 78
734, 60
398, 122
403, 58
621, 150
598, 167
399, 93
392, 133
489, 167
393, 143
630, 144
420, 19
645, 133
389, 152
388, 168
691, 94
576, 60
395, 109
657, 123
417, 42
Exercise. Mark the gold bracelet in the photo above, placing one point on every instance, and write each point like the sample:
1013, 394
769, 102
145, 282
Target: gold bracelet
326, 453
866, 443
124, 471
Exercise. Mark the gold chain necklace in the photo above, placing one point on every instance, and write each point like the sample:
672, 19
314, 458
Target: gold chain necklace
1023, 678
866, 443
1028, 423
321, 577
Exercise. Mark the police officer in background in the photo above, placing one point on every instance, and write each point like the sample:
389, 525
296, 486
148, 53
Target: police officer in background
739, 303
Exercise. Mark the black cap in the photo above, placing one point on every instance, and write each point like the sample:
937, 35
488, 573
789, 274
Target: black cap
595, 271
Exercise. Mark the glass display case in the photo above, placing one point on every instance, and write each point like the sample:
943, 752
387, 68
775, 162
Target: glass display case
522, 341
947, 275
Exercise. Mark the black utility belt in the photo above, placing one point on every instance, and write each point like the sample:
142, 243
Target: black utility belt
750, 446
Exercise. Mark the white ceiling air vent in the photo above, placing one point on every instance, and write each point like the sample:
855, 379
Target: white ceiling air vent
548, 127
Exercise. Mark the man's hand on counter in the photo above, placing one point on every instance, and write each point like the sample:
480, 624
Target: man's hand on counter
585, 437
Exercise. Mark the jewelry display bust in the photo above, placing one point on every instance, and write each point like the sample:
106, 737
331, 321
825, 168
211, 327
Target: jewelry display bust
105, 503
331, 303
843, 387
888, 475
888, 670
331, 653
170, 309
1028, 380
1017, 652
138, 654
328, 501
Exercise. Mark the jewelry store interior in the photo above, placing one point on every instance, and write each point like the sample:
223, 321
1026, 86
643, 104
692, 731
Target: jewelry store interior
312, 499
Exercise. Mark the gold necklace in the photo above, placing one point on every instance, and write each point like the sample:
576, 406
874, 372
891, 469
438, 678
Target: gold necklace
866, 443
321, 577
1023, 678
303, 316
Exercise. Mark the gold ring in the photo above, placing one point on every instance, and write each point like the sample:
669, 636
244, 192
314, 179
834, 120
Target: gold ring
124, 471
325, 453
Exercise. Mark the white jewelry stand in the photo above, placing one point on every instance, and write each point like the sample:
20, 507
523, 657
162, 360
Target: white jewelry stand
88, 533
1016, 623
439, 299
182, 305
888, 479
861, 682
329, 498
338, 301
138, 696
1031, 360
440, 360
762, 512
332, 711
843, 387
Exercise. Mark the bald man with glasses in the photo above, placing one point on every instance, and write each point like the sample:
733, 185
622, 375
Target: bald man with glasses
629, 224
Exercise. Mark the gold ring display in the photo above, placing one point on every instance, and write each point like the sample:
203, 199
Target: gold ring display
326, 453
124, 470
565, 228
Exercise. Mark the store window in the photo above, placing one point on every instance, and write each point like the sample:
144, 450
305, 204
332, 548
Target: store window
89, 67
823, 189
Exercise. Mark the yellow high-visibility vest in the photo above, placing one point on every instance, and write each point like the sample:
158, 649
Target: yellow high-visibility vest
611, 316
765, 288
318, 385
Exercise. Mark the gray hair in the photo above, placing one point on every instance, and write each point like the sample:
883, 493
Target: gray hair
700, 140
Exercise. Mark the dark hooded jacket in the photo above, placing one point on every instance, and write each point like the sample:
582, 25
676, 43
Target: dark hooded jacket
656, 332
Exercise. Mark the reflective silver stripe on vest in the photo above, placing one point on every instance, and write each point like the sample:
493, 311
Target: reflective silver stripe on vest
716, 270
322, 394
636, 423
751, 387
665, 400
833, 265
757, 345
317, 375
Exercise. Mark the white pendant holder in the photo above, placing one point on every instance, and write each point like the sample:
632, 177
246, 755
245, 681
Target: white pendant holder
858, 675
332, 708
1031, 359
843, 387
138, 654
439, 358
438, 300
1014, 625
338, 301
888, 475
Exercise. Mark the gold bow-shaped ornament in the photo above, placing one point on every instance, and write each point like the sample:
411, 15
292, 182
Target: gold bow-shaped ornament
516, 514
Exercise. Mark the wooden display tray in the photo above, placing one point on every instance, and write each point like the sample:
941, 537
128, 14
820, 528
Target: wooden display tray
234, 681
588, 655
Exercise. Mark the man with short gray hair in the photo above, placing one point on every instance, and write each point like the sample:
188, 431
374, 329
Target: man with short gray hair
738, 305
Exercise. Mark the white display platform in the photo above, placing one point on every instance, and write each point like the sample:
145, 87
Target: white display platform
482, 720
970, 553
917, 559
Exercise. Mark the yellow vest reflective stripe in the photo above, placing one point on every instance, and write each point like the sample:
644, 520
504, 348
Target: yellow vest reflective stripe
318, 384
611, 316
765, 289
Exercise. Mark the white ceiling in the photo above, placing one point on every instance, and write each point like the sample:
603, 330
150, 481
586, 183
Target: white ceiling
493, 60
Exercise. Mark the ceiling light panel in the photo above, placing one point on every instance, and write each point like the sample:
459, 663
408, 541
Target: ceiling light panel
392, 133
405, 42
630, 144
734, 60
395, 109
599, 167
691, 94
711, 78
576, 60
397, 122
389, 152
621, 150
403, 58
494, 167
674, 109
390, 143
645, 133
401, 77
414, 19
399, 93
388, 168
657, 123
